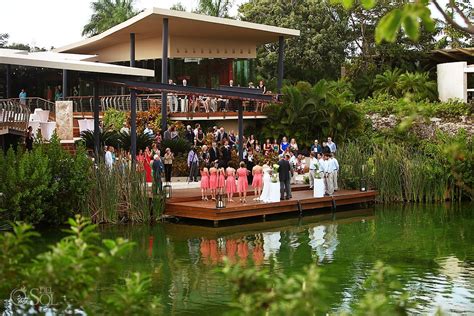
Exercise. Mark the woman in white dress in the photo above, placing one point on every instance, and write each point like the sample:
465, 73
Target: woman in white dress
266, 197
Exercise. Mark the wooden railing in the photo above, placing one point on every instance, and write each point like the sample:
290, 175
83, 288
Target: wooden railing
13, 115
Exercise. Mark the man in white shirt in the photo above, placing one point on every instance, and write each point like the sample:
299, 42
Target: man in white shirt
328, 180
331, 145
334, 164
109, 159
313, 168
148, 130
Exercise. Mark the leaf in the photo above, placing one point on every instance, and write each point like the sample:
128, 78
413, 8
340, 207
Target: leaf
388, 26
368, 4
347, 4
411, 26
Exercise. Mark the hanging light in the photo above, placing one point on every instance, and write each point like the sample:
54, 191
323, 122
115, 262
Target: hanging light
220, 201
168, 190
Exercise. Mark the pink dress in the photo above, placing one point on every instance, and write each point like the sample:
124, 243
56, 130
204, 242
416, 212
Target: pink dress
213, 180
221, 181
204, 180
257, 179
230, 186
242, 184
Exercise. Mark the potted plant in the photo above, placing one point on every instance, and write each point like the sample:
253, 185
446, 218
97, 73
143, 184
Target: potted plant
318, 187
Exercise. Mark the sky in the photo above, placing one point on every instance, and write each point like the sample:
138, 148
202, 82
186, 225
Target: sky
56, 23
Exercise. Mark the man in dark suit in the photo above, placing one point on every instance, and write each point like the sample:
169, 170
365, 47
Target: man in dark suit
284, 175
214, 153
226, 154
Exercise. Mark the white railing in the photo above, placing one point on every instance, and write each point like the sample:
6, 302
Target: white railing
13, 115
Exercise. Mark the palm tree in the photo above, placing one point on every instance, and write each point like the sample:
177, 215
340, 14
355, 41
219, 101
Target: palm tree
219, 8
108, 13
387, 83
418, 86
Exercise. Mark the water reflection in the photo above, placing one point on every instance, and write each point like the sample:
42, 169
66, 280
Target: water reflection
430, 247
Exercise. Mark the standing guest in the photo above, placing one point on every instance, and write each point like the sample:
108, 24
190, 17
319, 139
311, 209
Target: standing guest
230, 186
213, 182
261, 87
300, 164
293, 145
174, 133
204, 183
249, 159
140, 161
226, 154
313, 168
335, 167
284, 145
232, 139
147, 164
109, 157
205, 157
251, 141
257, 182
158, 138
267, 147
148, 130
325, 149
221, 180
332, 145
189, 134
167, 134
276, 146
214, 154
197, 126
23, 97
154, 149
221, 135
284, 170
258, 149
200, 137
168, 162
242, 184
57, 93
157, 169
316, 148
29, 139
193, 165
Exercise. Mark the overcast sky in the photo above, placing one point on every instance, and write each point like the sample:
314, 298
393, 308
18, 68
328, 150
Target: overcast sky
46, 23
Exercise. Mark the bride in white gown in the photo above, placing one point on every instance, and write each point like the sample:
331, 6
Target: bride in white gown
265, 197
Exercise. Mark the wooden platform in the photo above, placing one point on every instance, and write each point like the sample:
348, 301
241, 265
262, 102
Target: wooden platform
188, 204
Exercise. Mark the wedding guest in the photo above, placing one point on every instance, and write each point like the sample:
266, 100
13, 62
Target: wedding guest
313, 168
205, 157
200, 137
262, 87
157, 168
204, 183
232, 139
148, 130
258, 149
242, 184
168, 162
293, 145
267, 147
257, 182
147, 159
325, 148
221, 180
109, 160
23, 97
29, 139
276, 146
189, 134
335, 167
230, 186
284, 145
251, 141
331, 145
316, 148
214, 153
193, 164
226, 154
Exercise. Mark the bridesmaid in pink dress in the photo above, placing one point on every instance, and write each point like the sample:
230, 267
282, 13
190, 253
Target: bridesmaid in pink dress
204, 183
221, 180
257, 181
213, 182
230, 186
242, 184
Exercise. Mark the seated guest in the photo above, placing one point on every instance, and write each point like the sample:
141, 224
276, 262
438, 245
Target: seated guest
293, 145
284, 145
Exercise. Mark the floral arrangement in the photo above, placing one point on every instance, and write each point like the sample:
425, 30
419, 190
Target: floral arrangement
316, 175
274, 175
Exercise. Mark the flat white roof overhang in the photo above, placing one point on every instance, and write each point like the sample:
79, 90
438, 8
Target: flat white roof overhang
75, 62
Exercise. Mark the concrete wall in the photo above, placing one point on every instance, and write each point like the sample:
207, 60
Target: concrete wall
64, 120
452, 81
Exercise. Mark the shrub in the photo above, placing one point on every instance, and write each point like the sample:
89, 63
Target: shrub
177, 146
114, 119
143, 141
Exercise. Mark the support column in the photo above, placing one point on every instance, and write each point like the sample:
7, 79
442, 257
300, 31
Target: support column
164, 75
8, 82
132, 49
96, 121
241, 130
133, 126
281, 53
64, 84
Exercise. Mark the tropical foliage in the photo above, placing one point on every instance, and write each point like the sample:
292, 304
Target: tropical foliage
108, 13
416, 86
114, 119
311, 112
218, 8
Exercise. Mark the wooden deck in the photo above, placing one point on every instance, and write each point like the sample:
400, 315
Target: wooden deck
188, 204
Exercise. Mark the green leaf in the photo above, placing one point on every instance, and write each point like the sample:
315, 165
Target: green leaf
368, 4
388, 26
411, 26
347, 4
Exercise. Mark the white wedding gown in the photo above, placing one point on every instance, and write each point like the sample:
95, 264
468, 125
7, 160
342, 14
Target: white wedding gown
266, 196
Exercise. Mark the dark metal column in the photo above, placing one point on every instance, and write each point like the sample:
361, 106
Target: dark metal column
132, 49
64, 84
281, 53
133, 126
96, 121
164, 75
8, 83
241, 130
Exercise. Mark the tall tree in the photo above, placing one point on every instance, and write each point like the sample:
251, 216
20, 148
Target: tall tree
219, 8
178, 6
4, 39
108, 13
320, 50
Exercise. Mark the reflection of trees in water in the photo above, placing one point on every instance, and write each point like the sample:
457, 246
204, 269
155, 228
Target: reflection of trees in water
323, 240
